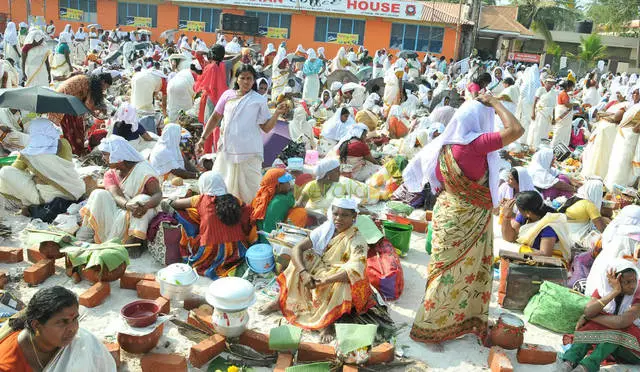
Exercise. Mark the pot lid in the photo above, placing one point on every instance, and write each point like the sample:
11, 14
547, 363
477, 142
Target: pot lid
178, 274
231, 293
260, 251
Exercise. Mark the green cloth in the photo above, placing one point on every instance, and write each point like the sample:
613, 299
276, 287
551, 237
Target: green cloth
35, 238
63, 48
285, 338
555, 307
277, 211
109, 257
368, 229
577, 353
395, 167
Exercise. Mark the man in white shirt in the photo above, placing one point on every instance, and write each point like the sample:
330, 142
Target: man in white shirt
180, 91
144, 86
542, 117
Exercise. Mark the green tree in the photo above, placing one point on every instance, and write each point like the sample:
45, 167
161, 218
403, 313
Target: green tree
543, 15
613, 15
591, 49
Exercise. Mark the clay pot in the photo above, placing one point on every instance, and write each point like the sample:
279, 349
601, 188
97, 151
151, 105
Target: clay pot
50, 250
140, 344
93, 274
508, 332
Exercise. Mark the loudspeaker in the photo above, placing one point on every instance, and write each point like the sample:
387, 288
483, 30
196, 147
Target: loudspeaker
239, 24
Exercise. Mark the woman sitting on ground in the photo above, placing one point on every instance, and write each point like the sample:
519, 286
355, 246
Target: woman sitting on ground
124, 209
327, 275
126, 126
334, 129
609, 325
397, 126
518, 180
43, 171
274, 202
216, 225
540, 230
583, 211
355, 152
548, 179
46, 336
167, 158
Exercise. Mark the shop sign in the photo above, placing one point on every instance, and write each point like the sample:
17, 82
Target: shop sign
192, 25
71, 14
139, 21
274, 32
524, 57
345, 39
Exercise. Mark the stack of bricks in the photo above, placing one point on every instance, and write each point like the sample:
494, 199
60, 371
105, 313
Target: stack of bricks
129, 280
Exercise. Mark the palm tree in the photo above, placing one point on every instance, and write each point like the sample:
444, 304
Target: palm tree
591, 49
543, 15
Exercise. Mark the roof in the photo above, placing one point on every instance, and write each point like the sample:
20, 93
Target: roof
438, 12
502, 18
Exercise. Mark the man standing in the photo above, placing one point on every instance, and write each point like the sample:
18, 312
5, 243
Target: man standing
542, 116
51, 29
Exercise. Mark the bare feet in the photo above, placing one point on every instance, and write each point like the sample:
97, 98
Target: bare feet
270, 308
327, 335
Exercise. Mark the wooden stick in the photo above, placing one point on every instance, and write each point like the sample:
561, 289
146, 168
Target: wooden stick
47, 232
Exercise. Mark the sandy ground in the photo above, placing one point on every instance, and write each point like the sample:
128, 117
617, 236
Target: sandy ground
464, 354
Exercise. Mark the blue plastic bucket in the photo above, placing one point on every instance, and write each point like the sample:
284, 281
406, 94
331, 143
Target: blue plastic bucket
260, 258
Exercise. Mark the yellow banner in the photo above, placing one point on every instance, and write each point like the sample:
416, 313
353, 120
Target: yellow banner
350, 39
71, 14
139, 21
277, 32
193, 26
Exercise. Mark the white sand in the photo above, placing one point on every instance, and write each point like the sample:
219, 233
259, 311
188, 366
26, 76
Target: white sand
464, 354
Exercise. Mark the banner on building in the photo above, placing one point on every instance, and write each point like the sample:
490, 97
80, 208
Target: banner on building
139, 21
524, 57
71, 14
192, 25
274, 32
340, 38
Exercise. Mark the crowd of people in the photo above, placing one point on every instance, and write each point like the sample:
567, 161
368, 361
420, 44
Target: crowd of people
470, 140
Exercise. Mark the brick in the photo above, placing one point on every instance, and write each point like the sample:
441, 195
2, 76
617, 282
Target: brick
312, 352
148, 290
498, 360
163, 362
4, 279
114, 350
11, 255
194, 302
34, 255
349, 368
95, 295
256, 340
129, 279
284, 361
165, 305
39, 272
383, 353
206, 350
536, 354
204, 314
50, 250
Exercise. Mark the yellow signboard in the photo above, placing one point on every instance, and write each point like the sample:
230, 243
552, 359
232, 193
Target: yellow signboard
71, 14
192, 25
349, 39
139, 21
277, 32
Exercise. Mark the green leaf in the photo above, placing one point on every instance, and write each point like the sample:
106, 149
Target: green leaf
351, 337
285, 338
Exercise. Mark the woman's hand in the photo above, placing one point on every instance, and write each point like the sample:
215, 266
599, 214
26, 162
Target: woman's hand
488, 100
507, 208
614, 281
282, 109
581, 322
200, 146
307, 280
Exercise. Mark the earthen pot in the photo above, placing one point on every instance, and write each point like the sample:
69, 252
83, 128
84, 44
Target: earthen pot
140, 344
508, 332
50, 250
93, 274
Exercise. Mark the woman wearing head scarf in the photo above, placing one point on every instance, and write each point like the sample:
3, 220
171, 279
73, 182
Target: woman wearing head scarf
548, 179
579, 133
378, 63
61, 66
356, 154
279, 73
326, 277
166, 157
313, 66
269, 54
126, 206
125, 125
518, 180
334, 129
563, 115
301, 129
217, 227
340, 61
274, 202
583, 211
590, 96
396, 124
622, 169
35, 59
462, 163
609, 325
496, 86
543, 112
43, 170
393, 83
11, 44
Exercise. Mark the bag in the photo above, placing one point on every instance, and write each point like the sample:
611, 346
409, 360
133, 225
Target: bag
561, 152
556, 308
49, 211
520, 281
384, 270
165, 248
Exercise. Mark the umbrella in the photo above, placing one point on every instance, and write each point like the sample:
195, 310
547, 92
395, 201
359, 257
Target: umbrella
94, 25
342, 76
111, 58
143, 45
41, 100
454, 99
275, 141
380, 82
169, 34
364, 73
407, 54
143, 32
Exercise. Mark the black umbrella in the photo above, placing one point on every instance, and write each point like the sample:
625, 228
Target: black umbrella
41, 100
454, 99
341, 76
407, 54
380, 83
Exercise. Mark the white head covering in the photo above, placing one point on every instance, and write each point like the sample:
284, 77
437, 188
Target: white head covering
68, 29
321, 52
335, 128
598, 280
211, 183
11, 34
127, 113
540, 169
470, 121
626, 224
222, 40
43, 138
165, 155
300, 49
442, 114
525, 183
34, 35
531, 83
119, 150
329, 102
322, 235
356, 130
335, 86
280, 56
270, 49
325, 166
233, 47
592, 191
65, 37
311, 54
349, 87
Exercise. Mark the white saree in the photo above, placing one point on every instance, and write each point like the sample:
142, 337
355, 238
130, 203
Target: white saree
85, 353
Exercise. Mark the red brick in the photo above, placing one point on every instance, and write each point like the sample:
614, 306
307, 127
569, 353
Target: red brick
114, 350
536, 354
194, 302
34, 255
4, 279
11, 255
383, 353
311, 352
284, 361
39, 272
163, 362
256, 340
349, 368
147, 289
204, 314
95, 295
129, 279
165, 305
498, 360
206, 350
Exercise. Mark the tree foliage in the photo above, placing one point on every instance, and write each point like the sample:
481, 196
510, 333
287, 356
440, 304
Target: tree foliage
613, 15
591, 49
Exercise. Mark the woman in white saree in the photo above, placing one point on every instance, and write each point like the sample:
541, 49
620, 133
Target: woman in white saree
279, 73
623, 166
35, 59
563, 115
43, 170
530, 83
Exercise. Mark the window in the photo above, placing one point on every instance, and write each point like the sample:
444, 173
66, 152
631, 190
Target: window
279, 20
417, 38
210, 16
88, 8
127, 12
328, 28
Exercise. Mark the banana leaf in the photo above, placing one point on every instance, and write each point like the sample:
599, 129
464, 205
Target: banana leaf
351, 337
110, 257
313, 367
285, 338
35, 238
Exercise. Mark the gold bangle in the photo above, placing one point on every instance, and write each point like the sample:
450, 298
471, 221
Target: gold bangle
601, 303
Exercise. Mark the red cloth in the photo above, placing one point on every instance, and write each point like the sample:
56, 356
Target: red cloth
303, 179
358, 149
111, 179
611, 103
577, 139
474, 88
11, 356
213, 231
212, 83
472, 158
201, 60
73, 131
563, 98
